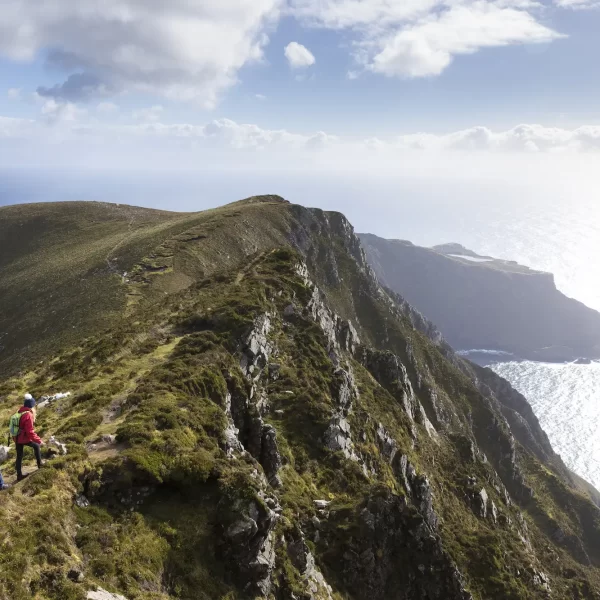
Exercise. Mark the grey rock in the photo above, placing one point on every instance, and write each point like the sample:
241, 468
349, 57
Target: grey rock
321, 504
101, 594
493, 512
270, 458
387, 444
81, 501
242, 530
480, 503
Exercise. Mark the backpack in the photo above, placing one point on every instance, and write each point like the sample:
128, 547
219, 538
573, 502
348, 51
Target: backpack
14, 424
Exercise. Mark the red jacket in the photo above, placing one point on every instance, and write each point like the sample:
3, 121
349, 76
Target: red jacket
26, 431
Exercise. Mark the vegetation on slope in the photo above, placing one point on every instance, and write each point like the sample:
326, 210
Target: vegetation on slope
243, 349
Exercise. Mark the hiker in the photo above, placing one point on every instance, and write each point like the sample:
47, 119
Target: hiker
23, 431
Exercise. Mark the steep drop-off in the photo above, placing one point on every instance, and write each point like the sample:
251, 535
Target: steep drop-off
483, 303
255, 417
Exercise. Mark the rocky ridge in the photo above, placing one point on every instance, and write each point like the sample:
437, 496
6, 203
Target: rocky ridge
284, 427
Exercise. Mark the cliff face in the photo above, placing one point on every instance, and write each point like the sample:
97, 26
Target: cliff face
265, 421
483, 303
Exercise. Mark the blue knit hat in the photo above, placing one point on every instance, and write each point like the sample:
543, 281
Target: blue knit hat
29, 401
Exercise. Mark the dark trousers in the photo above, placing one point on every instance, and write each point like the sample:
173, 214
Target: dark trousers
37, 452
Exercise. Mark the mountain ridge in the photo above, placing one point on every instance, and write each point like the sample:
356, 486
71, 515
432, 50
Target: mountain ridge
264, 420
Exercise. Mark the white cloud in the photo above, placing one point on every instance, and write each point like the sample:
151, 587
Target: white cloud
420, 38
299, 56
577, 4
260, 96
182, 49
228, 134
107, 108
14, 93
54, 112
429, 46
523, 138
151, 114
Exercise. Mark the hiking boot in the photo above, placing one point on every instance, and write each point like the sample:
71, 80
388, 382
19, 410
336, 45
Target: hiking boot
22, 477
6, 486
42, 464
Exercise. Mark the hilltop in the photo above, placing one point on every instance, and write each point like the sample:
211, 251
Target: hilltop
479, 302
253, 416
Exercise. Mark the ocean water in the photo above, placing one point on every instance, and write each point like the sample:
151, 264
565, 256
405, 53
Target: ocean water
566, 400
551, 224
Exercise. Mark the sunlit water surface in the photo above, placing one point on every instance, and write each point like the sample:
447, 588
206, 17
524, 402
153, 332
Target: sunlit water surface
566, 400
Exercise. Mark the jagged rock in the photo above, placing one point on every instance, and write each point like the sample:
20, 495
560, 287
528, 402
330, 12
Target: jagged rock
289, 310
541, 580
344, 389
387, 444
270, 458
493, 511
101, 594
256, 348
423, 497
248, 544
109, 439
480, 503
321, 504
338, 437
393, 533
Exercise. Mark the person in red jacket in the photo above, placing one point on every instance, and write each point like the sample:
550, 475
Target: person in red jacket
27, 435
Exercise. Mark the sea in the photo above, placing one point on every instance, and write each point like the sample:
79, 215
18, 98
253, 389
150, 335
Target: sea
551, 227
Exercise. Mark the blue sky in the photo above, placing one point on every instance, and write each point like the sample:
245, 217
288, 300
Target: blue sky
282, 83
535, 77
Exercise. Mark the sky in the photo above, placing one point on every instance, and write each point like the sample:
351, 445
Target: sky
434, 89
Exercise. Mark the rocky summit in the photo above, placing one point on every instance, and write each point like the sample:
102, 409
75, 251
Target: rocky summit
240, 410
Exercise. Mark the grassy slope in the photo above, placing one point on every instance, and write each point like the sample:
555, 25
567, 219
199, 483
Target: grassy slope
61, 266
158, 377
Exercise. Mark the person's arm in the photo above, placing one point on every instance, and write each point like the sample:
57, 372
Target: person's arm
27, 426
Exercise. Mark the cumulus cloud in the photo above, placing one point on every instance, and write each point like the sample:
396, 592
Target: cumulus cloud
420, 38
179, 49
429, 46
299, 56
14, 93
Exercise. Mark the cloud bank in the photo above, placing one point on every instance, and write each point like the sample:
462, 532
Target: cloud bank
181, 49
193, 50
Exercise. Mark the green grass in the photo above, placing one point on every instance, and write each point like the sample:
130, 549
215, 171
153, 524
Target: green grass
152, 362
